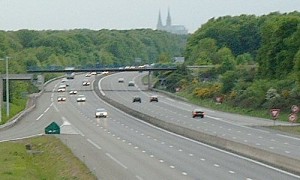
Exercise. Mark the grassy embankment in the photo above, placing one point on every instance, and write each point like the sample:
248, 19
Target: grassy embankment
48, 159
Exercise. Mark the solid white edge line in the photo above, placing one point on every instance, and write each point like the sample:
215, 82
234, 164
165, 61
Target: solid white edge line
25, 137
118, 162
94, 144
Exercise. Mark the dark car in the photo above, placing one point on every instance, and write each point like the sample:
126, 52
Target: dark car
131, 83
121, 80
137, 99
153, 98
198, 113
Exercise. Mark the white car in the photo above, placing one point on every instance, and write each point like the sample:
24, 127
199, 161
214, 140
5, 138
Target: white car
72, 92
94, 73
81, 98
61, 98
121, 80
61, 89
100, 112
86, 83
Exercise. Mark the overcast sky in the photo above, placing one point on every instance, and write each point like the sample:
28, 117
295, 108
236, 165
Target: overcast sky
127, 14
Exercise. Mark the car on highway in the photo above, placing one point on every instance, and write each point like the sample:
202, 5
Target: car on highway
88, 75
86, 83
120, 80
198, 113
61, 98
94, 73
61, 88
101, 112
153, 98
73, 92
131, 83
137, 99
81, 98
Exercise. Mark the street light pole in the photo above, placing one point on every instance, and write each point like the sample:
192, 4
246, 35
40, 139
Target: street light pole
7, 88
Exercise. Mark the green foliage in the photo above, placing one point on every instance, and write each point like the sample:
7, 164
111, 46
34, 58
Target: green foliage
42, 161
228, 80
82, 48
280, 43
257, 61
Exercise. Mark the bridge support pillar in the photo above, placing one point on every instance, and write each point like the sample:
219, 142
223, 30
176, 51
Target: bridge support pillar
149, 80
1, 96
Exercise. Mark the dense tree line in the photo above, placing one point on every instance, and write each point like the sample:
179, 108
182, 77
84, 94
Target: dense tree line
257, 60
82, 48
86, 47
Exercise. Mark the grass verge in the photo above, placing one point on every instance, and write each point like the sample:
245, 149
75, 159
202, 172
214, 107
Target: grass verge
47, 159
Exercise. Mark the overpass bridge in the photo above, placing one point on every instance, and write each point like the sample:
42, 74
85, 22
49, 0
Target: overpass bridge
149, 69
98, 70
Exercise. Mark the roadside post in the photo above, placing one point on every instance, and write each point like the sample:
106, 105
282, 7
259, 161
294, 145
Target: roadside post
274, 113
293, 116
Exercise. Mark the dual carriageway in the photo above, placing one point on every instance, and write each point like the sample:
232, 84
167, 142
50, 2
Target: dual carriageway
124, 147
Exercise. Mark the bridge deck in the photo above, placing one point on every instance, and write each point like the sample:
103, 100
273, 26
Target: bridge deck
17, 76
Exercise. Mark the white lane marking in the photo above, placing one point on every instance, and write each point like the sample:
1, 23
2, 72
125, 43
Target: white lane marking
39, 117
47, 109
138, 177
99, 86
56, 109
288, 137
20, 138
94, 144
66, 122
114, 159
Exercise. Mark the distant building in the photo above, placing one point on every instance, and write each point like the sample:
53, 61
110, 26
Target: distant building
175, 29
178, 60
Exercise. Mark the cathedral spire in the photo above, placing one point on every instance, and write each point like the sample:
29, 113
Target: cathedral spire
159, 22
169, 22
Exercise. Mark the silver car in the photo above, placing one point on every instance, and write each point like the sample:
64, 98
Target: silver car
81, 98
100, 112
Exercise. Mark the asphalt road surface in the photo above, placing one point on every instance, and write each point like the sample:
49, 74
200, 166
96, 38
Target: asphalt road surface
233, 127
123, 147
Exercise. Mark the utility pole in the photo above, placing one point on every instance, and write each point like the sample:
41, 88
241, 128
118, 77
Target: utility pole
7, 90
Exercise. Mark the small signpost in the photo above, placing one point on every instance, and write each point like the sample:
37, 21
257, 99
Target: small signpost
52, 128
219, 99
293, 116
295, 109
275, 114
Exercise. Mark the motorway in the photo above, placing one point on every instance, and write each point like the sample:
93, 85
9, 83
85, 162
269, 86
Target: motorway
228, 126
123, 147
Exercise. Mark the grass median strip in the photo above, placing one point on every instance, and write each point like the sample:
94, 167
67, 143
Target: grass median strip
43, 157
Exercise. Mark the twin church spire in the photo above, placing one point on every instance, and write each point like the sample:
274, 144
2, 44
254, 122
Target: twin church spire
168, 22
175, 29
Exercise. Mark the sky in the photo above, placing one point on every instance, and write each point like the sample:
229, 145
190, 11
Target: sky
127, 14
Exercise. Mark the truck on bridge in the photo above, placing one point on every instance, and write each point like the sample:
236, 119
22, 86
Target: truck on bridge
71, 74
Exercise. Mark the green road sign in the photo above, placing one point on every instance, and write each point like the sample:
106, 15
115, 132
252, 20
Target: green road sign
52, 128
